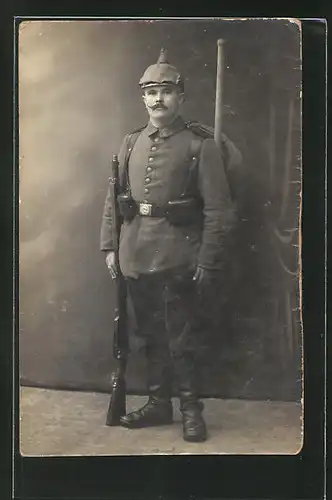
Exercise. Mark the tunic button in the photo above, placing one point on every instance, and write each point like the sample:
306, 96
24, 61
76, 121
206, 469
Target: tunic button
156, 139
147, 180
148, 169
153, 148
146, 190
151, 159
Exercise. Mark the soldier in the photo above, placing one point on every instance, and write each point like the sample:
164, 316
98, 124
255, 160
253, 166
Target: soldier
177, 212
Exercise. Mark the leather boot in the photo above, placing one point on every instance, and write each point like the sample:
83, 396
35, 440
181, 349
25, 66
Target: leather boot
193, 424
157, 411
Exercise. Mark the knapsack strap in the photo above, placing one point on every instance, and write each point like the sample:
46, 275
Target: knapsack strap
130, 145
192, 178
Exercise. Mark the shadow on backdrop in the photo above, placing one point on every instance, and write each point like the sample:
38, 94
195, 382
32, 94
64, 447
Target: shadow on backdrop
78, 96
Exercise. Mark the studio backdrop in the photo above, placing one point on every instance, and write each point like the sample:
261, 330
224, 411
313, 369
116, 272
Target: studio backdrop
78, 96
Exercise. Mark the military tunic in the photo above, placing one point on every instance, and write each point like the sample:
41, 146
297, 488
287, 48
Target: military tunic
158, 171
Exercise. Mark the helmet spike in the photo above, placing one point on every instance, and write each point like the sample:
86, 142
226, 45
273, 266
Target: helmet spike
162, 56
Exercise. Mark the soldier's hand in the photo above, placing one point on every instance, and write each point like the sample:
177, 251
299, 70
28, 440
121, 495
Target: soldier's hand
111, 264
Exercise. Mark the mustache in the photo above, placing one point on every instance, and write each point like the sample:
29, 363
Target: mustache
158, 106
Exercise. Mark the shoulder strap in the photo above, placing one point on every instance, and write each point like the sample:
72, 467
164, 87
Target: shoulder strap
200, 130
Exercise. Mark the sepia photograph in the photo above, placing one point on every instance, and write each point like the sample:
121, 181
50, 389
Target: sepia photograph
159, 205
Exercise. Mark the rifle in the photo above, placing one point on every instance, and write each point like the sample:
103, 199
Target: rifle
117, 404
232, 156
219, 94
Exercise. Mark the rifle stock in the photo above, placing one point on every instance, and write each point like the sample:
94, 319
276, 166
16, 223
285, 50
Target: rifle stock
117, 404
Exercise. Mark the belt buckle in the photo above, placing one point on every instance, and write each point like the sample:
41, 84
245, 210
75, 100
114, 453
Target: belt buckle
145, 208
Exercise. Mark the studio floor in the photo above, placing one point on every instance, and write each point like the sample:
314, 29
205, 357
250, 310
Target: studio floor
64, 423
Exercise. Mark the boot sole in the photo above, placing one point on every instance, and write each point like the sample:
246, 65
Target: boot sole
194, 439
144, 426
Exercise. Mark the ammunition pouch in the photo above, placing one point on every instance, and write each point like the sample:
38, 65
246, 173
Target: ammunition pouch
186, 211
127, 206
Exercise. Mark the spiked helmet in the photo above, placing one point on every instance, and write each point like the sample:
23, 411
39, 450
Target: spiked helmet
161, 73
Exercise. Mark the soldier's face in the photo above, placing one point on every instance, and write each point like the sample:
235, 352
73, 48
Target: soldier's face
162, 102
